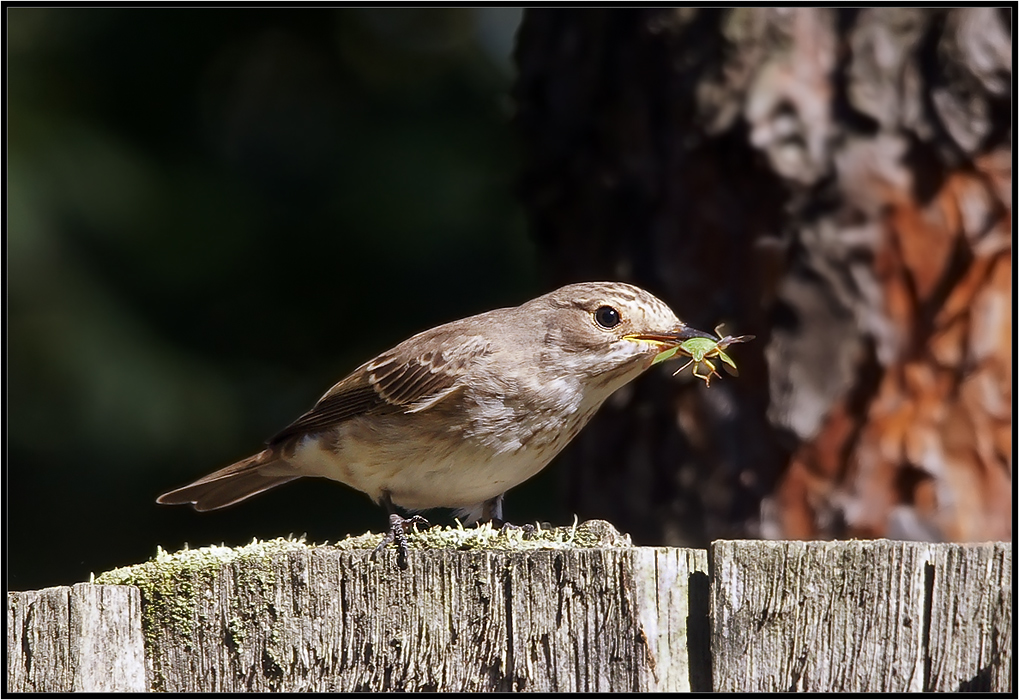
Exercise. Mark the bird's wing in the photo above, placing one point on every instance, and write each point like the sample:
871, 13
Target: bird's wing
401, 380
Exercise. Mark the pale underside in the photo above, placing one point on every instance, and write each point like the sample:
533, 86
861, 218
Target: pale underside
430, 459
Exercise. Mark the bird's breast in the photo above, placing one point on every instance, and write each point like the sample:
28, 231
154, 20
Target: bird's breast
459, 453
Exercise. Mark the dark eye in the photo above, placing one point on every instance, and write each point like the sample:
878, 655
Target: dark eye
606, 317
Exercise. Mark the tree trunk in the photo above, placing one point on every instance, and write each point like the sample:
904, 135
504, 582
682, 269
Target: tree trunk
836, 182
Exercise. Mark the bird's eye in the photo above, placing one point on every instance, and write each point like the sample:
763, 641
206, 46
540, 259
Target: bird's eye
607, 317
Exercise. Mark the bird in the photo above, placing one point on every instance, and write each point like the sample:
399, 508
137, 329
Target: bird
457, 415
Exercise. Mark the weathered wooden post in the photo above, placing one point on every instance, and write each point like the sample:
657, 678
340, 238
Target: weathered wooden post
573, 609
75, 638
576, 609
861, 616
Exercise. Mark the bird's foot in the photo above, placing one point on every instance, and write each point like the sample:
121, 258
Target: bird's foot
398, 529
504, 526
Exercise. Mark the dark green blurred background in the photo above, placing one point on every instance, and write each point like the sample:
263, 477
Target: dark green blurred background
212, 216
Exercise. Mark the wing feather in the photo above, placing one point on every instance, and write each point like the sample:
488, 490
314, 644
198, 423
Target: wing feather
398, 381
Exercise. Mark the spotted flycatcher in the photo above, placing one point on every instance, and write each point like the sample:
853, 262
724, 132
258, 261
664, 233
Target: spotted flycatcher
459, 414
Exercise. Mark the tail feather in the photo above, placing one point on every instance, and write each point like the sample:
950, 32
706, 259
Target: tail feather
231, 484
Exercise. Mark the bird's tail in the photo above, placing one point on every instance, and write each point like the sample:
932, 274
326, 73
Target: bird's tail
231, 484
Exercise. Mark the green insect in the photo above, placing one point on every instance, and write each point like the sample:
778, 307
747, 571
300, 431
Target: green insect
701, 349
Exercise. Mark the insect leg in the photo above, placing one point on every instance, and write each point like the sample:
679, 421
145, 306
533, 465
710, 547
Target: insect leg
684, 367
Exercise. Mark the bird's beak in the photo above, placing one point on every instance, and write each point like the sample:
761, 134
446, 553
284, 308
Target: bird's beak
672, 338
668, 343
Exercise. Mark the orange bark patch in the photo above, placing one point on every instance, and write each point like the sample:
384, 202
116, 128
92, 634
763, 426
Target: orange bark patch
934, 441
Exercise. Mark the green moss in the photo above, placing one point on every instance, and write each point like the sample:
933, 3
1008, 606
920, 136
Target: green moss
593, 533
238, 633
254, 583
171, 583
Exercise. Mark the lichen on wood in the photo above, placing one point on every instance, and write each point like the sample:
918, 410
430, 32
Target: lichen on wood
574, 608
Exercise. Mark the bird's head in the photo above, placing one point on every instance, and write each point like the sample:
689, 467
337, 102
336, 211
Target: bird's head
609, 329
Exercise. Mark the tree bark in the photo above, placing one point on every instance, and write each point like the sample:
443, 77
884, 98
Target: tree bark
837, 182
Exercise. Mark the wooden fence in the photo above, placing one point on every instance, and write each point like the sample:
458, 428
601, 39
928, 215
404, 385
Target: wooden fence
584, 613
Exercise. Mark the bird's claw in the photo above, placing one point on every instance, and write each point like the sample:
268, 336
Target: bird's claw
529, 530
398, 529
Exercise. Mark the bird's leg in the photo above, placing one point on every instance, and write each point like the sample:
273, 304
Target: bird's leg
528, 529
398, 528
491, 511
